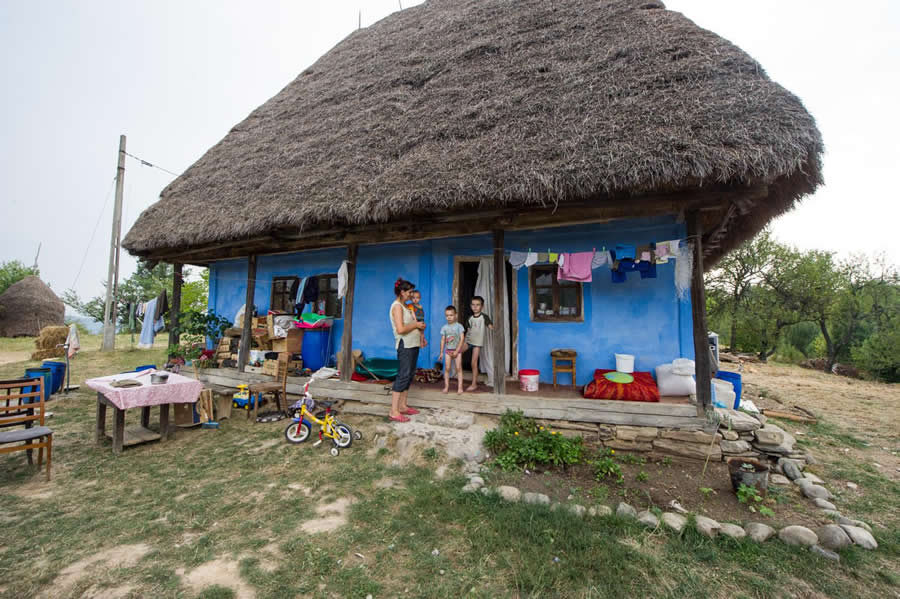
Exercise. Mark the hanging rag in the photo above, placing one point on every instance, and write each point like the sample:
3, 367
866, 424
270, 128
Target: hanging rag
162, 305
625, 251
517, 259
543, 257
684, 266
600, 258
576, 267
297, 300
531, 259
643, 254
562, 260
72, 340
311, 292
292, 292
552, 257
666, 250
148, 330
342, 280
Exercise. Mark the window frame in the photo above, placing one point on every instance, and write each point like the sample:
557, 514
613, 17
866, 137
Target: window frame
533, 273
289, 280
338, 302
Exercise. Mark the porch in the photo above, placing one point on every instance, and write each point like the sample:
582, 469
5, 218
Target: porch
547, 404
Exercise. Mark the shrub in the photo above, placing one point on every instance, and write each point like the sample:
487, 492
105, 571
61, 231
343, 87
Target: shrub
606, 467
520, 442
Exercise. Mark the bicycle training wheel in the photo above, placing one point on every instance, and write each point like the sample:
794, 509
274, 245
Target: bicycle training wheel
296, 432
335, 452
357, 436
344, 435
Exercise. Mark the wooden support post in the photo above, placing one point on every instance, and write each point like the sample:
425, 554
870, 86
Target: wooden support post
698, 312
499, 321
346, 366
244, 351
175, 309
100, 432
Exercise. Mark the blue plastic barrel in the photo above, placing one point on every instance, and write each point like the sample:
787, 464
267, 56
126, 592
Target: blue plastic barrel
145, 367
48, 380
735, 379
315, 346
58, 370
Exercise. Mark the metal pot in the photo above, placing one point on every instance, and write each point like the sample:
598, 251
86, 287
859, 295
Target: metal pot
159, 378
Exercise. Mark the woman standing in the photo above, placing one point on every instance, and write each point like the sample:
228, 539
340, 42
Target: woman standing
407, 338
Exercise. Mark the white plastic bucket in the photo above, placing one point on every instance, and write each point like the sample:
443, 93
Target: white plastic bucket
625, 363
529, 380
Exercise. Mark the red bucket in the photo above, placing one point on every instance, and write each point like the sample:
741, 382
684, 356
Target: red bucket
529, 380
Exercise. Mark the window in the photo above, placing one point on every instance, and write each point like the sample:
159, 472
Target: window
282, 300
328, 303
552, 299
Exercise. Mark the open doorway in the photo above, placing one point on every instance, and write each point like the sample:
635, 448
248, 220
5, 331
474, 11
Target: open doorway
464, 285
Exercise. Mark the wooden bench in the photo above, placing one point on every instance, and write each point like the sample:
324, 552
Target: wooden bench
25, 408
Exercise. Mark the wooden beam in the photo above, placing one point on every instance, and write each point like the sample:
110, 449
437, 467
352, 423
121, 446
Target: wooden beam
499, 321
346, 366
244, 351
459, 224
698, 311
175, 308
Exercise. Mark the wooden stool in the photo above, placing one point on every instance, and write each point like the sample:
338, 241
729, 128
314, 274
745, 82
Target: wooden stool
564, 362
277, 389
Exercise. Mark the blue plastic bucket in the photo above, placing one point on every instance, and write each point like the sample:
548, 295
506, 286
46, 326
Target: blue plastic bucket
315, 347
58, 370
735, 379
48, 380
145, 367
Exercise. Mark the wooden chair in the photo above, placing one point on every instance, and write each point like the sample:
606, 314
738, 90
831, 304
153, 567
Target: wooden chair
21, 407
564, 363
277, 388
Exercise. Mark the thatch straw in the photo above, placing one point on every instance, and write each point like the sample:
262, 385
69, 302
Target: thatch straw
50, 337
469, 104
28, 306
45, 354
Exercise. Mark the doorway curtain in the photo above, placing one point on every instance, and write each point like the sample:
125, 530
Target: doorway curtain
484, 286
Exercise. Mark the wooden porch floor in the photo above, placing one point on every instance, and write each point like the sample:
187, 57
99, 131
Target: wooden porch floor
547, 403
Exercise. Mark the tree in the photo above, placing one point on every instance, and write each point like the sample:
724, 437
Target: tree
14, 271
143, 285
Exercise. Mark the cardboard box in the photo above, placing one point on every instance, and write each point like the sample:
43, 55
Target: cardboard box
270, 367
293, 343
253, 369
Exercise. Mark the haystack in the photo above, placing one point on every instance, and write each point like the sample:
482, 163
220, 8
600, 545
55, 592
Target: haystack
27, 307
49, 343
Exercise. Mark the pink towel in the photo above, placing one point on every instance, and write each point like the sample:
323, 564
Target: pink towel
576, 267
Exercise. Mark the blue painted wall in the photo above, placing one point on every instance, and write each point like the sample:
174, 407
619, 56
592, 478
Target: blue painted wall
641, 316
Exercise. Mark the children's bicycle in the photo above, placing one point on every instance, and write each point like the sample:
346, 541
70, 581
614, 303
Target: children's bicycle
340, 434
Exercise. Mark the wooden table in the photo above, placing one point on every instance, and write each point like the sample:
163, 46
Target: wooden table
179, 389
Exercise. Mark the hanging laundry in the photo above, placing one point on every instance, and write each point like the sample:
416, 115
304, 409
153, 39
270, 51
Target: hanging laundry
517, 259
297, 300
665, 250
643, 254
311, 292
292, 292
624, 251
543, 257
531, 259
148, 330
622, 267
162, 305
72, 341
552, 257
600, 259
684, 266
561, 261
342, 280
576, 267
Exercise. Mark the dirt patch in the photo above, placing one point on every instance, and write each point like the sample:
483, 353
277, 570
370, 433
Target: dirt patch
301, 488
11, 357
222, 572
111, 593
387, 483
123, 556
261, 447
331, 516
35, 490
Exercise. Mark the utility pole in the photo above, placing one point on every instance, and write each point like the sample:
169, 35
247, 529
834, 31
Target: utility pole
112, 280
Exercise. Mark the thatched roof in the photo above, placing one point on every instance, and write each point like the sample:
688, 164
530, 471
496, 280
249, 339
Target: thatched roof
463, 105
27, 306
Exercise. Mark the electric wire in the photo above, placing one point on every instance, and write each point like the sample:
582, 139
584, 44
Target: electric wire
150, 164
94, 232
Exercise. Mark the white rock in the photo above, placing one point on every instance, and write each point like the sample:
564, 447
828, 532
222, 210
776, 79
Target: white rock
648, 518
815, 491
779, 479
578, 510
623, 510
674, 521
732, 530
758, 531
600, 510
827, 554
832, 536
509, 493
535, 498
477, 481
853, 486
798, 535
859, 523
707, 526
470, 488
813, 478
860, 536
824, 504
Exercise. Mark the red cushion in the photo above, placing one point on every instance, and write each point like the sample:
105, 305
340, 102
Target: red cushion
643, 388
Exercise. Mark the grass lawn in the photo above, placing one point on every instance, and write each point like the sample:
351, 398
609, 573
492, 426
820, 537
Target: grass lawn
237, 512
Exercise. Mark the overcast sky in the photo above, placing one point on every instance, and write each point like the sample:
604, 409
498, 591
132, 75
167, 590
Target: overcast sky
175, 76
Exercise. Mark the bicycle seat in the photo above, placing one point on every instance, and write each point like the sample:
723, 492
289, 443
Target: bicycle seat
324, 404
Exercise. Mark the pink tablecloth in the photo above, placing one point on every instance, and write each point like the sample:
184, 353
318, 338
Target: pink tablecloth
179, 389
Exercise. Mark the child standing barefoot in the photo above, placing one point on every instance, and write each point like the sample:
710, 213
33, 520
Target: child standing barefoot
453, 338
478, 323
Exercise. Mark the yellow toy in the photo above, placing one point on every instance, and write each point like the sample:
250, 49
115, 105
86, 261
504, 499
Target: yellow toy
340, 434
241, 399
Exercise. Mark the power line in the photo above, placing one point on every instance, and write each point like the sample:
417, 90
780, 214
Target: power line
150, 164
99, 218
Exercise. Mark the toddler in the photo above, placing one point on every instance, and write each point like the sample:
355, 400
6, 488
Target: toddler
453, 339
